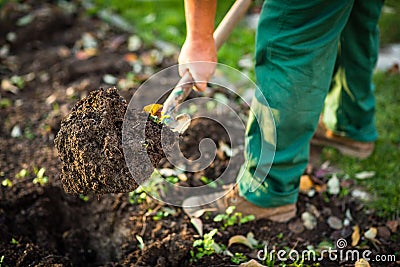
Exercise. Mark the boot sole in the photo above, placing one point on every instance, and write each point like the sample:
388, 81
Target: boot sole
343, 149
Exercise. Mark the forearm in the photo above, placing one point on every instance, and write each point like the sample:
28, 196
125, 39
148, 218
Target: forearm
200, 17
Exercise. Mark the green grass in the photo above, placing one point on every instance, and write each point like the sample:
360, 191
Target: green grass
165, 20
385, 160
389, 23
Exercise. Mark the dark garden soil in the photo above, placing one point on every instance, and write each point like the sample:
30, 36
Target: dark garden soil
42, 225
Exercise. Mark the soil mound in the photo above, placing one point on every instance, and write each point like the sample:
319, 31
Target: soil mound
89, 145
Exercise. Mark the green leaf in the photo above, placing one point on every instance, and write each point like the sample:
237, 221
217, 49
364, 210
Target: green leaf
219, 217
197, 243
141, 242
230, 209
247, 218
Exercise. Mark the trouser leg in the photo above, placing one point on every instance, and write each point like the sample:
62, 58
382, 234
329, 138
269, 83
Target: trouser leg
350, 105
296, 49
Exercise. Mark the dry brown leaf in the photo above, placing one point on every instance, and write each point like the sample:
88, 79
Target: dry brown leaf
361, 263
251, 263
198, 224
355, 236
130, 57
239, 239
320, 188
305, 183
371, 233
86, 53
393, 225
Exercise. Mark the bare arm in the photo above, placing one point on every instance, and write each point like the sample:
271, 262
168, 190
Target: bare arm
199, 44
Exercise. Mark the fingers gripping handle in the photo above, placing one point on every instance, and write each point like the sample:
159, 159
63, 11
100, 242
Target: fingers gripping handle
221, 34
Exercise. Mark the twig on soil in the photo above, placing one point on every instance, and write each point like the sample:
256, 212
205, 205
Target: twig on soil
149, 213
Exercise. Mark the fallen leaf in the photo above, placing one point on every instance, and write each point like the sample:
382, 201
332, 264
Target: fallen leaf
361, 195
166, 172
361, 263
199, 213
130, 57
355, 236
305, 183
348, 215
239, 239
181, 123
229, 152
16, 132
116, 42
251, 263
252, 240
333, 185
134, 43
198, 225
88, 41
25, 20
335, 223
365, 175
313, 210
110, 79
309, 221
321, 188
384, 232
86, 53
296, 227
371, 233
8, 86
393, 225
182, 177
151, 58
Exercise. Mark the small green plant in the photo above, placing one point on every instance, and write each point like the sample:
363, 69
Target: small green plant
207, 181
18, 81
1, 260
84, 197
163, 213
14, 241
238, 258
138, 196
40, 178
22, 174
151, 187
28, 133
229, 218
7, 183
5, 103
206, 246
172, 179
141, 242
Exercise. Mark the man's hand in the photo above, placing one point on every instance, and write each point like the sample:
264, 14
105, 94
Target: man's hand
199, 57
199, 44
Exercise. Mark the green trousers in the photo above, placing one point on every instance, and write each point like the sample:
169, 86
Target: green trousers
311, 56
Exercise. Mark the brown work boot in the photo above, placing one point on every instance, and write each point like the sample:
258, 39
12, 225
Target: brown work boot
194, 208
349, 147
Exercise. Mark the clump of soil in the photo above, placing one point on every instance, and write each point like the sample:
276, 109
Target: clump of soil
89, 145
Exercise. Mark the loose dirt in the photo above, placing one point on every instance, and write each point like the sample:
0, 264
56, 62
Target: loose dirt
89, 145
